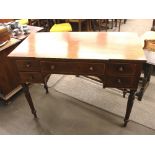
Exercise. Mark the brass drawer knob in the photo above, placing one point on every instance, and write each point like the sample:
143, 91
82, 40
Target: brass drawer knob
119, 80
52, 67
91, 68
121, 69
28, 65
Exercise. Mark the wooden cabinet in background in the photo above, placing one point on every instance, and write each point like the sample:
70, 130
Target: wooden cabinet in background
153, 25
9, 82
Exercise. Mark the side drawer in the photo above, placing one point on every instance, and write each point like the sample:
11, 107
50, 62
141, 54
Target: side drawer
120, 82
73, 68
28, 65
122, 69
35, 77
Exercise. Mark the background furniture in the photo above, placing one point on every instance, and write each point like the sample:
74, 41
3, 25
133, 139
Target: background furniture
23, 21
107, 24
62, 27
44, 23
153, 25
33, 29
116, 58
6, 20
80, 23
9, 81
148, 66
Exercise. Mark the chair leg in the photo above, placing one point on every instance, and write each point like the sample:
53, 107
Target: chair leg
112, 24
38, 21
79, 26
106, 25
88, 24
125, 21
115, 20
99, 24
119, 26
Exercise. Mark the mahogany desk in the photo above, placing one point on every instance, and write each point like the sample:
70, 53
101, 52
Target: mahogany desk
115, 57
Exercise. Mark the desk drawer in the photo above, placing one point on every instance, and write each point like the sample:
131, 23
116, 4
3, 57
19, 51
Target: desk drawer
73, 68
120, 82
31, 77
28, 65
122, 69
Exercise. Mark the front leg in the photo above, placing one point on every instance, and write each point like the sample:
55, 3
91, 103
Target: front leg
129, 106
29, 99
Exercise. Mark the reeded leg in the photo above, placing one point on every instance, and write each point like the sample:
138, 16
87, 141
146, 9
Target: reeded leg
129, 106
29, 99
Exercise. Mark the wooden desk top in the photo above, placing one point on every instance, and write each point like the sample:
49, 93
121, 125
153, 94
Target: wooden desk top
81, 45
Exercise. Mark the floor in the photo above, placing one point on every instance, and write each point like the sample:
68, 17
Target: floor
139, 26
61, 114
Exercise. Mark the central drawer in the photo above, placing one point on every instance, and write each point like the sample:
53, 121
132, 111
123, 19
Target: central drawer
73, 68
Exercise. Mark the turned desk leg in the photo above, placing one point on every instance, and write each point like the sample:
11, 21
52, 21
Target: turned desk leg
29, 99
129, 106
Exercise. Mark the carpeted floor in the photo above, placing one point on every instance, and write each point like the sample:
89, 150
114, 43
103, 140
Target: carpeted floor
111, 100
140, 26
